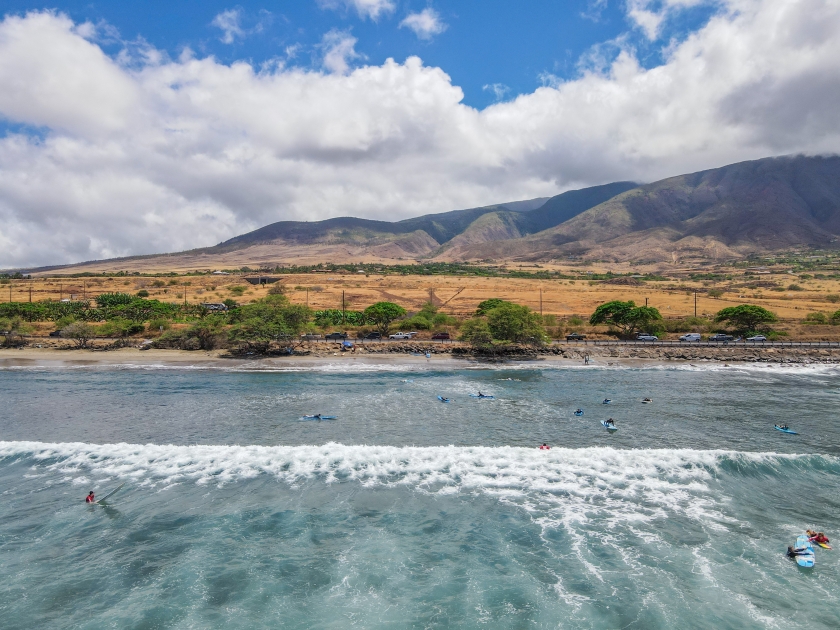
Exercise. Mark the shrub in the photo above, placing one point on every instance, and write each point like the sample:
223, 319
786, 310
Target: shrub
795, 287
80, 332
237, 290
816, 318
277, 289
715, 293
106, 300
158, 283
142, 293
158, 324
833, 298
120, 327
575, 321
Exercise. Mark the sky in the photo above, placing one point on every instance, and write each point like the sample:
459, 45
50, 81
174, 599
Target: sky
135, 128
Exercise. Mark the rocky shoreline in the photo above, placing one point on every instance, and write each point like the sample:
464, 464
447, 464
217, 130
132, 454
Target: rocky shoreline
735, 354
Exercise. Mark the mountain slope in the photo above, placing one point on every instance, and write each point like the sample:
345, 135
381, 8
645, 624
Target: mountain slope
756, 206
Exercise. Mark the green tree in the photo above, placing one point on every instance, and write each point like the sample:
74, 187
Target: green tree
515, 324
746, 317
382, 314
476, 332
626, 316
488, 305
113, 299
80, 332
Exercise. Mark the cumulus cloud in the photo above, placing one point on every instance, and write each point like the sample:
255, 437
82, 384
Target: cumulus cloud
167, 154
425, 24
373, 9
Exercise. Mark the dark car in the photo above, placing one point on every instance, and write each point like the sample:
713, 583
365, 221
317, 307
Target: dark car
55, 333
441, 336
373, 335
575, 337
336, 335
721, 337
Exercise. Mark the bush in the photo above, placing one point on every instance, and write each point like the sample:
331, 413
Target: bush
120, 327
833, 298
715, 293
795, 287
816, 318
80, 332
237, 290
158, 325
277, 289
158, 283
106, 300
142, 293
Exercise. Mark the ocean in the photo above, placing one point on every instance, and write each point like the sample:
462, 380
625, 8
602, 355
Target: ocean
405, 512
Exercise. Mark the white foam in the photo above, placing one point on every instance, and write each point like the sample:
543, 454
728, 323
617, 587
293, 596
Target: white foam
563, 487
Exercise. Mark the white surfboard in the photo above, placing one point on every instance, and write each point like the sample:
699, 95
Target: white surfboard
110, 493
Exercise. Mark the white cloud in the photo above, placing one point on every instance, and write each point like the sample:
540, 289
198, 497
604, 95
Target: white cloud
500, 90
339, 50
649, 15
229, 22
425, 24
161, 155
373, 9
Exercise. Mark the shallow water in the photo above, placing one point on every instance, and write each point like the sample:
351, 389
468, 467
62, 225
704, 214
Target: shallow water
406, 512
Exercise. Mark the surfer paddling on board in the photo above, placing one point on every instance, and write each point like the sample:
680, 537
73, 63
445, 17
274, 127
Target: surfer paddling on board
545, 447
89, 498
799, 551
817, 537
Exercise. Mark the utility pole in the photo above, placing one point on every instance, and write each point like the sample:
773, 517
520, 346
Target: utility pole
84, 290
695, 304
10, 292
30, 292
60, 292
646, 301
342, 307
185, 294
431, 296
541, 313
307, 297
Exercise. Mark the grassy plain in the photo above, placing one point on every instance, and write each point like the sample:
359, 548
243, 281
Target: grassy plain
459, 295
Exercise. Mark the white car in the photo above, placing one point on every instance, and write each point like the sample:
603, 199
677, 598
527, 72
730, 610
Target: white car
399, 335
647, 338
757, 338
690, 337
411, 334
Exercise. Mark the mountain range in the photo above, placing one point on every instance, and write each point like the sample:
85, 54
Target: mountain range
751, 207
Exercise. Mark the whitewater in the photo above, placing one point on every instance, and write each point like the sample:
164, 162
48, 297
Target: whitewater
404, 512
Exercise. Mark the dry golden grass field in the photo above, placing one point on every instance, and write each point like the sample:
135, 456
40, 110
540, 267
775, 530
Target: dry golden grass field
459, 295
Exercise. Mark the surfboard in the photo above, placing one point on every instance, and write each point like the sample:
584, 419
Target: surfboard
824, 545
807, 560
442, 399
484, 396
110, 493
609, 427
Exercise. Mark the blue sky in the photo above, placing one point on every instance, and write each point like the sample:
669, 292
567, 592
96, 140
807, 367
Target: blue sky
492, 49
142, 127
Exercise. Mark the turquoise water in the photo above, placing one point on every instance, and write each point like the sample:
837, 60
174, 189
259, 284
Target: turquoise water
406, 512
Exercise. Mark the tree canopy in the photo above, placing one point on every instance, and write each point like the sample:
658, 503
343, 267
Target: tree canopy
625, 315
746, 317
505, 323
487, 305
382, 314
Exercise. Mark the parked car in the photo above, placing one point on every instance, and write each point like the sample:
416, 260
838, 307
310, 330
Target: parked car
399, 336
411, 334
690, 337
376, 336
757, 338
646, 337
721, 337
55, 333
336, 335
575, 337
310, 337
441, 336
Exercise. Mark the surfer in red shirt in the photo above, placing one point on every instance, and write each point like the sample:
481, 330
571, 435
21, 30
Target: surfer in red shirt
544, 447
89, 498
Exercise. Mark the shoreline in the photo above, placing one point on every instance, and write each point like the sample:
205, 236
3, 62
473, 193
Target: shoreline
30, 357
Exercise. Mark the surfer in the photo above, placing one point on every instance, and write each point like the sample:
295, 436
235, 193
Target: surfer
799, 551
784, 426
89, 498
545, 447
480, 395
611, 422
817, 538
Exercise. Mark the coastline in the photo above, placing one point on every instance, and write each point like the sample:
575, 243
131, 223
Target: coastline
449, 357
